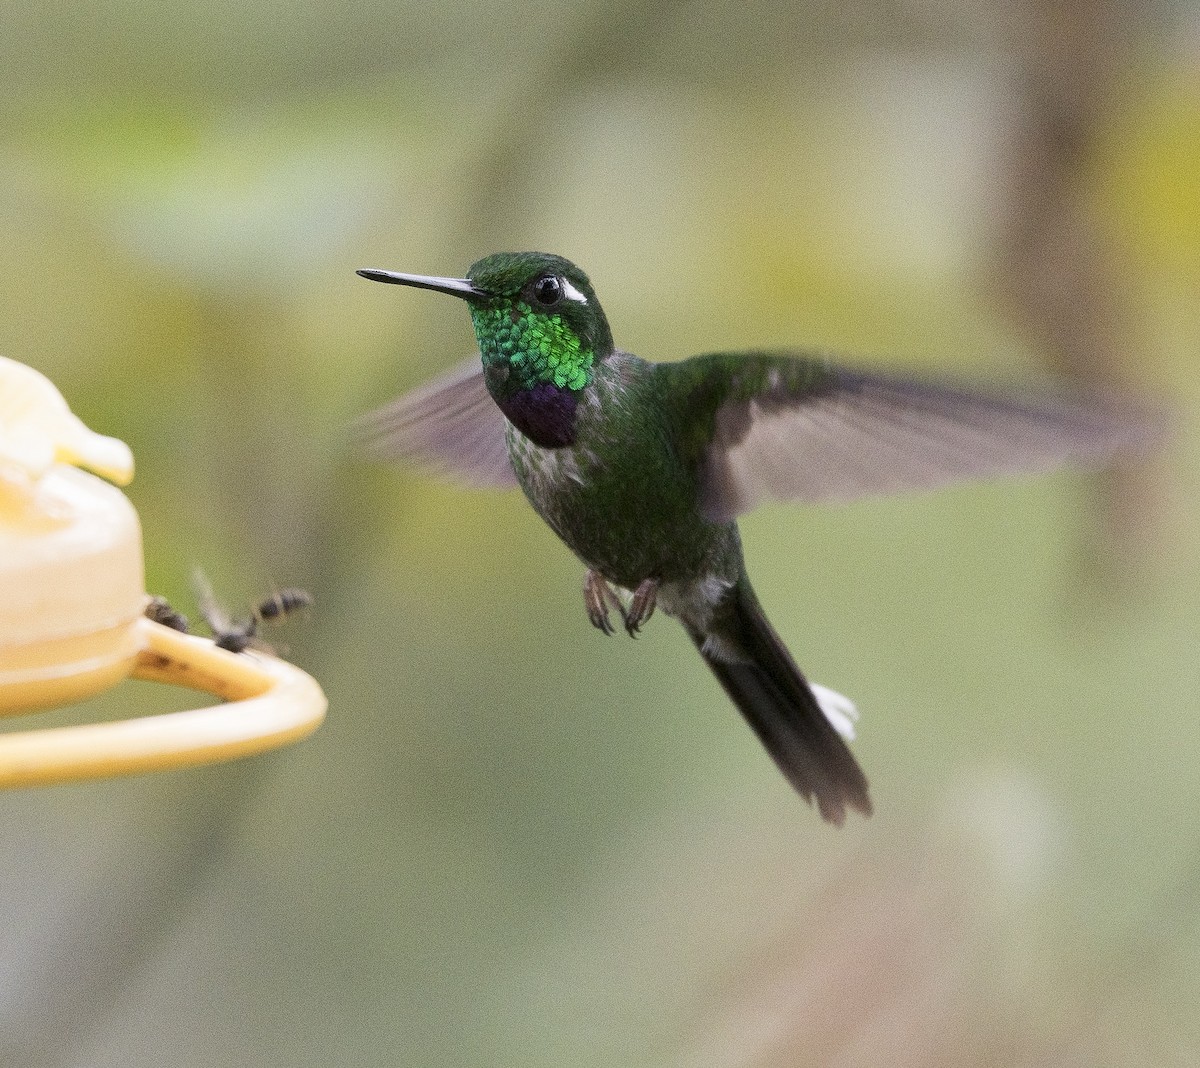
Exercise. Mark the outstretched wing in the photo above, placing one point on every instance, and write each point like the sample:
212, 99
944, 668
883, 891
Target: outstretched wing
797, 428
450, 426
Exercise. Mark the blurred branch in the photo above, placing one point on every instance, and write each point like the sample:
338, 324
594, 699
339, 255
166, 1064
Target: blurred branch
104, 946
603, 41
1056, 269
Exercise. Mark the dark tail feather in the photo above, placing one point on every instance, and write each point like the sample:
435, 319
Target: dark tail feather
773, 696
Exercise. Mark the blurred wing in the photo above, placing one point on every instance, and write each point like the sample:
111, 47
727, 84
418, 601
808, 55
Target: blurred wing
211, 612
834, 435
450, 426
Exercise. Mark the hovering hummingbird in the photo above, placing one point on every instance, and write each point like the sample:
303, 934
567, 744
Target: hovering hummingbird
642, 469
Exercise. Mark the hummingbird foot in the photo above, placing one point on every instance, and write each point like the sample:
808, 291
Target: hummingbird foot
598, 597
641, 607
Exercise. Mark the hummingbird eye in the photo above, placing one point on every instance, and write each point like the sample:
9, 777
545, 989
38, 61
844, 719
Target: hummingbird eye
548, 290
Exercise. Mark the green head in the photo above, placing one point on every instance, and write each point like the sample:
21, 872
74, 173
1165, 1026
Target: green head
536, 317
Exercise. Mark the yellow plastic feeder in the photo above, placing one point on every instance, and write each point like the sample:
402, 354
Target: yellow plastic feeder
72, 597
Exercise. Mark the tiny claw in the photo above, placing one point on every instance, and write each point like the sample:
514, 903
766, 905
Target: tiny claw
641, 608
597, 596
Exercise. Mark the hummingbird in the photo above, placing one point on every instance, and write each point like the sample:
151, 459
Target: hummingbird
642, 469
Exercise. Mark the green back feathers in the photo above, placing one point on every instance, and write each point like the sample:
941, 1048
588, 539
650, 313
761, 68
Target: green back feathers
695, 390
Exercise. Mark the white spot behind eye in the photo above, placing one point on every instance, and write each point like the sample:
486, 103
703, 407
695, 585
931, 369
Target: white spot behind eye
571, 293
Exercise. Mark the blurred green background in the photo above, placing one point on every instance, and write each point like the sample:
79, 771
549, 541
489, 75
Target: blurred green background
517, 843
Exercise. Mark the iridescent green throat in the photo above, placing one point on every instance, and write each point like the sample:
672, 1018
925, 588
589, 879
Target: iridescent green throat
537, 348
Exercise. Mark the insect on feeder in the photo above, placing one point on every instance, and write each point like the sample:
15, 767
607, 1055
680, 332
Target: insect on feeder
72, 598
